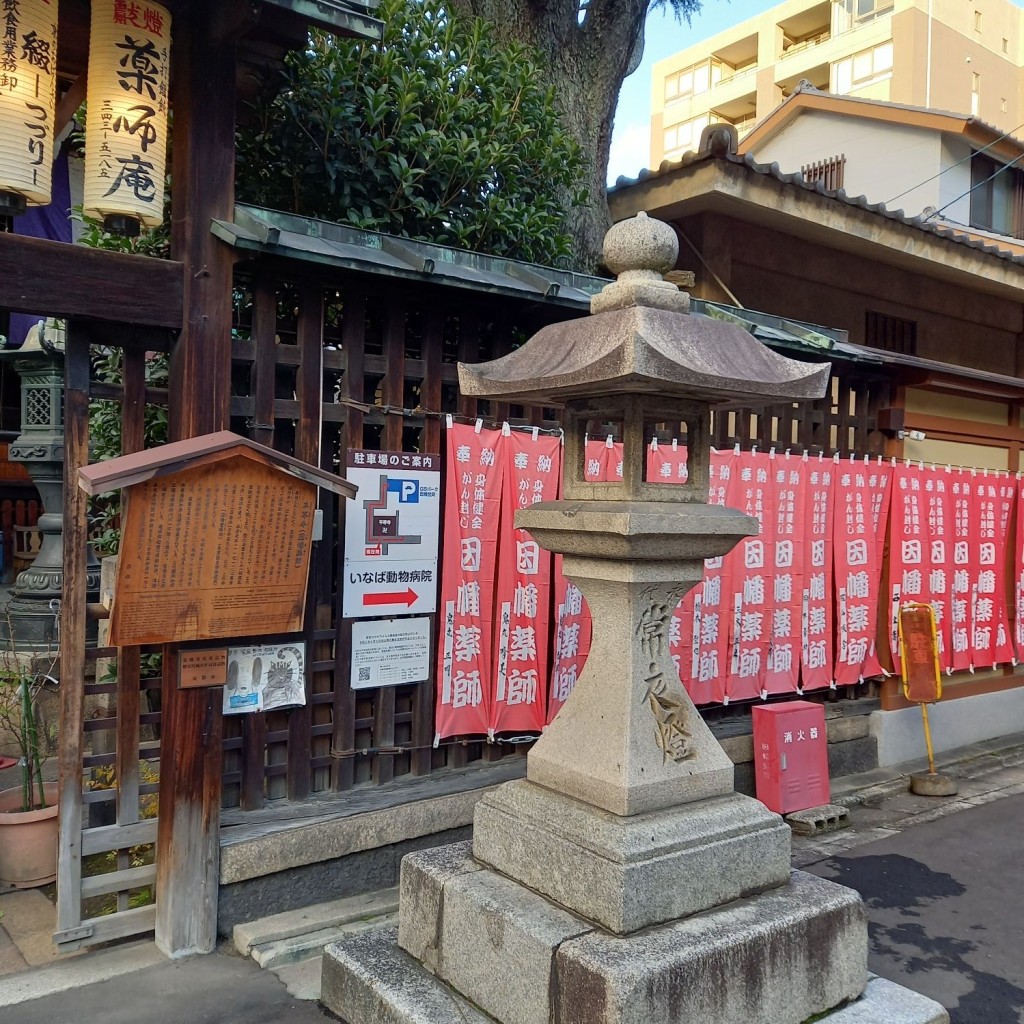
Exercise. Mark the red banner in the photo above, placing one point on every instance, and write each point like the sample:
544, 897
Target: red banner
753, 598
862, 493
920, 561
816, 636
604, 460
533, 466
788, 477
666, 463
1018, 571
960, 618
699, 630
993, 503
572, 640
472, 512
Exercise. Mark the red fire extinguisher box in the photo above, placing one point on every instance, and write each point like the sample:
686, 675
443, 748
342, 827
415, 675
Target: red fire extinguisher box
791, 755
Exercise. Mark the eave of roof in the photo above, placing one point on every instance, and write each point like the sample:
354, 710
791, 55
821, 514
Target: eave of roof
717, 177
807, 98
269, 232
340, 17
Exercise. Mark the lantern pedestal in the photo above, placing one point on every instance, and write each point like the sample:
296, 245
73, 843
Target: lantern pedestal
624, 882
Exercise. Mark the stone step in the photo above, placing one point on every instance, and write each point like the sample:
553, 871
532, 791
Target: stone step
371, 981
298, 935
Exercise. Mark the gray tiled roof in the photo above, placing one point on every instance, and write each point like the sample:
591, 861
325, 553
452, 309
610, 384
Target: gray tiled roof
718, 142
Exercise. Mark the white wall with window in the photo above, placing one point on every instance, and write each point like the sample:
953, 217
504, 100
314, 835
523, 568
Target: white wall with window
885, 162
680, 138
861, 70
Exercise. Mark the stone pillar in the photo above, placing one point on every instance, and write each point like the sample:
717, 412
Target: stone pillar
624, 881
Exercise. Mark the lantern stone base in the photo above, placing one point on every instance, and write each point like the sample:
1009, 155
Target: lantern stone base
495, 951
630, 873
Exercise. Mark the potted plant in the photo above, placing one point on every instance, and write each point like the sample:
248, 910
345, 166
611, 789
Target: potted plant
28, 812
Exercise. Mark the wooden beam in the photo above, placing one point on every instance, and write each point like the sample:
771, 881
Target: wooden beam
72, 628
69, 103
203, 165
40, 276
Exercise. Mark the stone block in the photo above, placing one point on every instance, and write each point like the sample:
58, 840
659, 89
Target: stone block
776, 958
630, 873
362, 872
421, 896
840, 730
739, 748
498, 945
743, 779
852, 757
884, 1002
367, 979
816, 820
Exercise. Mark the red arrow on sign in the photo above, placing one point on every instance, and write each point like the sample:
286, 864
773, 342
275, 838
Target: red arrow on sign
408, 598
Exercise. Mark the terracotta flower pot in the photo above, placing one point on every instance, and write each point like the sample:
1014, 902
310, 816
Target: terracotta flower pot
28, 840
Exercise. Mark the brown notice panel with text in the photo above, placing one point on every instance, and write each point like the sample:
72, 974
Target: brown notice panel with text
216, 551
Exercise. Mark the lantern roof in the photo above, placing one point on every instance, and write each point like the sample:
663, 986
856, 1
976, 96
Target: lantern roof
640, 339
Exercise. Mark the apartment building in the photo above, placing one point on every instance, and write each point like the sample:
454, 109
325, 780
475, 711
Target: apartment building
965, 56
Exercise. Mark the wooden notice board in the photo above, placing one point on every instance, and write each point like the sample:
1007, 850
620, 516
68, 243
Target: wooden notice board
214, 551
919, 654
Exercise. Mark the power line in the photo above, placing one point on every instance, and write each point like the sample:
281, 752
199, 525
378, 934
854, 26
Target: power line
969, 156
1001, 168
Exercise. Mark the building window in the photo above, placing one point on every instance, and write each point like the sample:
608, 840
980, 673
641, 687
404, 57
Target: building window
1002, 104
997, 197
975, 93
693, 81
862, 69
890, 333
847, 14
1006, 45
829, 172
685, 136
977, 21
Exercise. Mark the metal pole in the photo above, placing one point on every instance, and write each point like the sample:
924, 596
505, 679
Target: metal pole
928, 740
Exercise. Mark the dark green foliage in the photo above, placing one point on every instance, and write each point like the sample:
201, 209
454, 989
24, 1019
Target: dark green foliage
438, 133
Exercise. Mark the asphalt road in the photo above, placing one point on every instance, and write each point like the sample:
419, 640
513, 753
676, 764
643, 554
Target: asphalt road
946, 909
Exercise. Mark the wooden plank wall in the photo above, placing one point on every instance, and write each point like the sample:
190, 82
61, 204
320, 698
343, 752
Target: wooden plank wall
321, 366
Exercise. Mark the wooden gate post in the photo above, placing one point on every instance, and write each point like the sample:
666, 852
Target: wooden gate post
203, 164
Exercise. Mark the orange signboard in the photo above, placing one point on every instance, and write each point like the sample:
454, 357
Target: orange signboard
203, 668
919, 654
214, 551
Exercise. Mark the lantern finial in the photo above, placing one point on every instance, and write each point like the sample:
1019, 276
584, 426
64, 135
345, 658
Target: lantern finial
640, 251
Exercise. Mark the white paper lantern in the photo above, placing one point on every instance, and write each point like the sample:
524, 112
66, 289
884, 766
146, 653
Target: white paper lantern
28, 85
126, 122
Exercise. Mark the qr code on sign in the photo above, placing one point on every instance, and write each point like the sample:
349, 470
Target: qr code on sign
364, 674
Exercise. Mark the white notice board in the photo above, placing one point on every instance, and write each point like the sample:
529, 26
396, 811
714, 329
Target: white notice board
391, 533
390, 652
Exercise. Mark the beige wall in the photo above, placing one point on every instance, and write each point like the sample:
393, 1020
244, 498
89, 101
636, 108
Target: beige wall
953, 40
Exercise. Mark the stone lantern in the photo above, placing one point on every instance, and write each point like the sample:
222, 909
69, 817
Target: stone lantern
28, 623
624, 881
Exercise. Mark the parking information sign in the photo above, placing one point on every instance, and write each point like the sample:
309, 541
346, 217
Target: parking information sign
391, 534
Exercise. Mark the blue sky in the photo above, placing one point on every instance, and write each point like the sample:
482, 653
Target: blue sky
631, 135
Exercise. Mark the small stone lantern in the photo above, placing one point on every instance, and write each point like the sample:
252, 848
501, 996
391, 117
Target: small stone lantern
28, 623
624, 881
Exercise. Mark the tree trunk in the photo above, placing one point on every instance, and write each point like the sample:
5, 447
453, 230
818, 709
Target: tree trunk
585, 60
